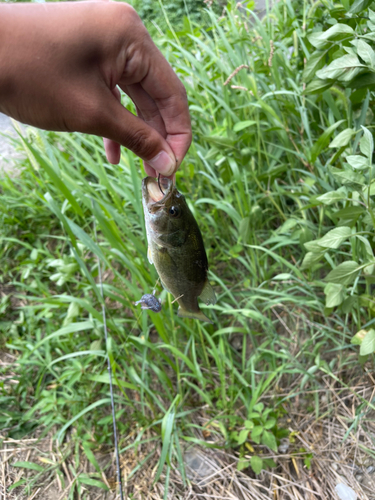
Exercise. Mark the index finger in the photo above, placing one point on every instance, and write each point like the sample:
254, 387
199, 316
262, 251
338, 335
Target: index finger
166, 89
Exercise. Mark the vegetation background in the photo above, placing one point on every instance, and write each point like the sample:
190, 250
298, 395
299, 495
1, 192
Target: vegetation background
275, 399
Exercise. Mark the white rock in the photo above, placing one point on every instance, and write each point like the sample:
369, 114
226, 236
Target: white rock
345, 492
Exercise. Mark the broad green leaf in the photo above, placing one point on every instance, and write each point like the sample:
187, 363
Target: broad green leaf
363, 81
359, 5
368, 343
366, 144
29, 465
313, 64
243, 463
350, 213
357, 162
335, 294
256, 464
343, 69
344, 273
323, 140
339, 31
242, 125
318, 86
270, 423
348, 177
259, 407
72, 313
242, 437
269, 440
310, 259
335, 237
287, 226
249, 424
358, 337
343, 138
349, 303
333, 196
371, 15
256, 433
369, 254
365, 52
313, 246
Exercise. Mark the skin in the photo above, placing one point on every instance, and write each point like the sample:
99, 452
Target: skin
62, 65
176, 245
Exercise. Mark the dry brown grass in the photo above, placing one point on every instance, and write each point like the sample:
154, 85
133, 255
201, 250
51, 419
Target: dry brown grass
342, 446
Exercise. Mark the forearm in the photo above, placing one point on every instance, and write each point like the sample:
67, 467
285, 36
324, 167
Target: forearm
60, 68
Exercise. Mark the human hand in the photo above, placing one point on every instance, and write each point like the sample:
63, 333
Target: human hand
61, 67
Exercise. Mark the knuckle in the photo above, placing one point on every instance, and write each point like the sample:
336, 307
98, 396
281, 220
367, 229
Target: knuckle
126, 15
183, 92
143, 143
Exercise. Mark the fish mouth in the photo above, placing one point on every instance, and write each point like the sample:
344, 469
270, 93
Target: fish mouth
154, 197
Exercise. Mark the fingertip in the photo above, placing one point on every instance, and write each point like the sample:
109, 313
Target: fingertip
112, 151
151, 172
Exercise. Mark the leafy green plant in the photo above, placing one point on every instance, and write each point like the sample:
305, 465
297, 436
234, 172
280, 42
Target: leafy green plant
259, 428
344, 63
263, 184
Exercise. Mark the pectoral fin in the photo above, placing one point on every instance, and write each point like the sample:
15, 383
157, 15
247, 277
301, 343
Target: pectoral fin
183, 313
208, 295
149, 255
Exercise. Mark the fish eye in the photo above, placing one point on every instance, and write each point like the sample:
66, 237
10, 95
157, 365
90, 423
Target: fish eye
174, 211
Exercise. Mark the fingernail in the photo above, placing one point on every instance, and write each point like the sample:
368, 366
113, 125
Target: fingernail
163, 163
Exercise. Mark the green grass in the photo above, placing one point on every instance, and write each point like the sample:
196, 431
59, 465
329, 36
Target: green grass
252, 177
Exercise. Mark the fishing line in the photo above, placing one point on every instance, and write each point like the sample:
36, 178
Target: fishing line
119, 480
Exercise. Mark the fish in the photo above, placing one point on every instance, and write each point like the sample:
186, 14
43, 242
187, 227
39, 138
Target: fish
175, 247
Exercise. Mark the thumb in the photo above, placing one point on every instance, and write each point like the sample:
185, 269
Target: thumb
117, 125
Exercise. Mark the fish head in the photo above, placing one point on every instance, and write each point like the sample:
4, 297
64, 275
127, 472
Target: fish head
167, 214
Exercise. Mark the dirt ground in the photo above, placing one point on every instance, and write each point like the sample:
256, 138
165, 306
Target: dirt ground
340, 443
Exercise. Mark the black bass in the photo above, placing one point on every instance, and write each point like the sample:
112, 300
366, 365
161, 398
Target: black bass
175, 247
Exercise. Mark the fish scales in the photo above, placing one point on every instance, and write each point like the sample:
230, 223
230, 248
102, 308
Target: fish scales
176, 247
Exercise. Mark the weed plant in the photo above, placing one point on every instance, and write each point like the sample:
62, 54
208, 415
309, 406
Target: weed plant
255, 177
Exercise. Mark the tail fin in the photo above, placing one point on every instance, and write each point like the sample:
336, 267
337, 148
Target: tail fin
183, 313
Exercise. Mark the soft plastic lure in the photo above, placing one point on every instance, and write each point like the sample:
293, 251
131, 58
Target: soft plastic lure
149, 301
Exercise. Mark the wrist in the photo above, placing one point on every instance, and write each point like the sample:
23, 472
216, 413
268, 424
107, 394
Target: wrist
6, 49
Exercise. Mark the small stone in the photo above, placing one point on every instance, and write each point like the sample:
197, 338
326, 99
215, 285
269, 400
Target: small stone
198, 466
370, 469
359, 477
344, 492
334, 466
284, 446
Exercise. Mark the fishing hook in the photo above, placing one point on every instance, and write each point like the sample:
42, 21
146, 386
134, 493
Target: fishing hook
160, 185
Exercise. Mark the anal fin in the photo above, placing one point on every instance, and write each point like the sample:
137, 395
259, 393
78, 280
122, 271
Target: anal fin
183, 313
